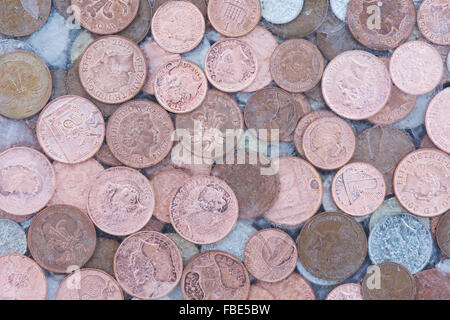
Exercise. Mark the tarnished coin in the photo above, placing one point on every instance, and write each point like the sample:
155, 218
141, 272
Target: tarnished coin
259, 293
281, 11
204, 210
121, 201
342, 249
105, 17
215, 275
139, 133
103, 257
421, 182
19, 18
105, 156
432, 19
27, 181
21, 278
148, 265
348, 291
296, 65
112, 69
293, 287
231, 65
356, 85
12, 238
153, 225
180, 86
300, 195
200, 4
339, 8
70, 129
432, 284
89, 284
388, 281
437, 120
25, 84
443, 234
139, 28
61, 237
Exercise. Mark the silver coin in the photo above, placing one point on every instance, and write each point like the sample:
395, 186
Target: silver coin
281, 11
339, 8
401, 238
12, 238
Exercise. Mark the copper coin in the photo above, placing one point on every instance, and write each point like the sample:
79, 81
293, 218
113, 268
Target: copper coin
296, 65
89, 284
416, 67
21, 278
270, 255
103, 256
189, 162
427, 143
431, 19
178, 26
27, 181
443, 234
231, 65
106, 16
200, 4
389, 281
139, 133
112, 69
215, 275
301, 192
148, 265
433, 225
61, 237
258, 293
153, 225
25, 84
437, 120
329, 143
180, 86
383, 24
207, 131
348, 291
121, 201
139, 28
332, 246
293, 287
432, 284
383, 147
356, 85
204, 210
316, 93
105, 156
70, 129
421, 182
20, 18
305, 106
234, 18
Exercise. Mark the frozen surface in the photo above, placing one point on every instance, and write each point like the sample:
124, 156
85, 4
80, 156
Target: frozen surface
53, 282
16, 133
188, 249
198, 54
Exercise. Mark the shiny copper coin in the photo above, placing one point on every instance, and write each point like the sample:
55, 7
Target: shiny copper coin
25, 84
121, 201
139, 133
427, 143
430, 18
437, 120
148, 265
342, 249
296, 65
103, 257
421, 182
70, 129
348, 291
432, 284
293, 287
61, 237
443, 234
259, 293
204, 210
105, 156
139, 28
200, 4
112, 69
27, 181
215, 275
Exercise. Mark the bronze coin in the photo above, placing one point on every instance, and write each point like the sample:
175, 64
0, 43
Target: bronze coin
437, 120
15, 218
139, 133
139, 28
342, 249
61, 237
215, 275
316, 93
348, 291
427, 143
258, 293
148, 265
200, 4
430, 18
153, 225
103, 257
443, 234
432, 284
293, 287
189, 162
105, 156
389, 281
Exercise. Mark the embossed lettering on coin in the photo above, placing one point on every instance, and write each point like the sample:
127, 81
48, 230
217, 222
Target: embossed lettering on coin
433, 20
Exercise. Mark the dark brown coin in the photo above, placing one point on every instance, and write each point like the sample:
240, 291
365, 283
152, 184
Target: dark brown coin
443, 233
61, 238
103, 257
200, 4
432, 284
332, 246
138, 29
105, 156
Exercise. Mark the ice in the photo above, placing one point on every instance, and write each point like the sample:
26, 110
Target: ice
15, 133
212, 35
327, 202
188, 249
8, 45
175, 294
198, 54
316, 105
444, 265
243, 97
308, 276
285, 149
81, 42
53, 282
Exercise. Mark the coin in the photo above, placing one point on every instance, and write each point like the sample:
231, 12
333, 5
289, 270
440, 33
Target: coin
105, 156
121, 201
12, 238
296, 65
339, 8
427, 143
432, 284
443, 234
106, 17
416, 67
258, 293
429, 17
200, 4
103, 256
436, 120
21, 278
180, 86
281, 11
62, 7
25, 85
356, 85
293, 287
188, 249
421, 182
70, 129
394, 283
139, 133
139, 28
27, 181
157, 260
231, 65
204, 210
153, 225
15, 218
348, 291
192, 164
112, 69
301, 192
316, 94
215, 275
61, 237
342, 249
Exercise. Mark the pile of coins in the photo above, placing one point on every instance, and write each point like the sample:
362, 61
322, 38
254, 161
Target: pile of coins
128, 200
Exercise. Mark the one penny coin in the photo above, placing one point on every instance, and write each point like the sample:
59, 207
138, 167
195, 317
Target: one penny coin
259, 293
348, 291
437, 120
430, 16
443, 234
103, 256
61, 237
293, 287
139, 28
432, 284
200, 4
106, 157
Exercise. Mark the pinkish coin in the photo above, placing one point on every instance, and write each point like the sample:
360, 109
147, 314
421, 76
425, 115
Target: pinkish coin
15, 218
432, 284
258, 293
293, 287
437, 120
105, 156
348, 291
431, 20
